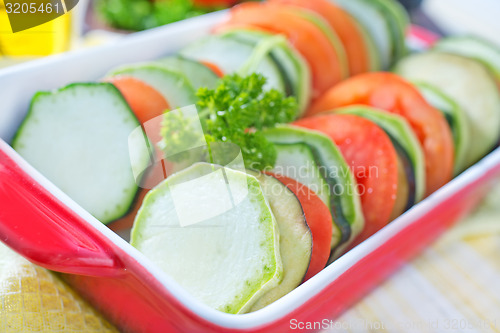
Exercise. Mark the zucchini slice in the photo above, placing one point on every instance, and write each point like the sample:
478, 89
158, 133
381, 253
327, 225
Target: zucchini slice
297, 161
295, 71
211, 229
375, 62
406, 144
399, 22
376, 23
172, 84
473, 47
295, 237
455, 117
232, 55
344, 202
470, 85
78, 137
198, 74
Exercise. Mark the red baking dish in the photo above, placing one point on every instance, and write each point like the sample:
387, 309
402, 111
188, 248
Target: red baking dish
44, 225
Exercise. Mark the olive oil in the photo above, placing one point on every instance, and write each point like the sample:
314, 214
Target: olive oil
45, 39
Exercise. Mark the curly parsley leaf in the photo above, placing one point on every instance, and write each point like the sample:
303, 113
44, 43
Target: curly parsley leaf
145, 14
235, 112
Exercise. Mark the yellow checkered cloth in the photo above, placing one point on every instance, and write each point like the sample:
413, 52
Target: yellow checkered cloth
454, 286
32, 299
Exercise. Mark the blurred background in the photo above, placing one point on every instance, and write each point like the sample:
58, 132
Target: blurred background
93, 22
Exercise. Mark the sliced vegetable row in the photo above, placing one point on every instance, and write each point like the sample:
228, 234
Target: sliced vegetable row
369, 147
336, 38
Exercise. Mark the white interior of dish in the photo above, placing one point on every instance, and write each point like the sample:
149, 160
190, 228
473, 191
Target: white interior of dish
19, 83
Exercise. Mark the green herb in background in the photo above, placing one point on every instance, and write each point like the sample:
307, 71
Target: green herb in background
235, 112
145, 14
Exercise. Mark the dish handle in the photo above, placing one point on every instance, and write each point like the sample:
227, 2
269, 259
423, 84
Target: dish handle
37, 225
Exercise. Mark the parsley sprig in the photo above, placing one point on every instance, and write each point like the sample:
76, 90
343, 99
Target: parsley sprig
236, 111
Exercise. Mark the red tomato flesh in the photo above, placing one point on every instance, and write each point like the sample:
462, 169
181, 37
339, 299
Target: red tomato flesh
343, 24
389, 92
372, 159
327, 65
319, 220
145, 101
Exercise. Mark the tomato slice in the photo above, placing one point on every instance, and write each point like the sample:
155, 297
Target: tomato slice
126, 222
319, 220
372, 158
155, 174
389, 92
148, 105
343, 24
327, 63
213, 67
145, 101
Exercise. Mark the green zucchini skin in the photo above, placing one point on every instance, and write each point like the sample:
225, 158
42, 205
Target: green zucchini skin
410, 173
405, 142
319, 22
197, 74
462, 79
232, 55
78, 137
171, 84
346, 206
375, 62
294, 69
473, 47
295, 156
399, 22
456, 118
199, 247
376, 23
386, 21
295, 237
